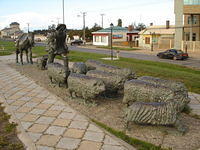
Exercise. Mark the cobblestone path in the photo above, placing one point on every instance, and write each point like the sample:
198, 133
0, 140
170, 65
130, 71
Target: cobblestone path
45, 122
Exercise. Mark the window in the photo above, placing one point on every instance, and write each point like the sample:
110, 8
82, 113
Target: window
194, 20
187, 36
191, 2
103, 39
147, 40
97, 39
194, 37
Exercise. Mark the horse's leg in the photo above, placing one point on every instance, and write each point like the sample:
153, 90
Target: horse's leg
17, 52
21, 57
27, 56
51, 58
30, 55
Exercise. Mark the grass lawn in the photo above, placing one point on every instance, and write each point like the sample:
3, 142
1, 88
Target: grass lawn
119, 48
140, 145
6, 47
190, 77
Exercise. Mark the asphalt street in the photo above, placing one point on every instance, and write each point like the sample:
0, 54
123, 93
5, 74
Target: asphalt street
191, 62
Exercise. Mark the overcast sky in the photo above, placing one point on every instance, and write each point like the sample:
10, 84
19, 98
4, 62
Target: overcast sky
41, 13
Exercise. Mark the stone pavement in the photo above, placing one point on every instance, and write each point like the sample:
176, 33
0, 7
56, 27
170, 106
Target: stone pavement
45, 122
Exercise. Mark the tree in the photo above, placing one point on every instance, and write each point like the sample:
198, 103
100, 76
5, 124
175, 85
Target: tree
96, 27
88, 32
52, 27
119, 22
140, 26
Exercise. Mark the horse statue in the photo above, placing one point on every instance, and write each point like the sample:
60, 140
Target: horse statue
25, 43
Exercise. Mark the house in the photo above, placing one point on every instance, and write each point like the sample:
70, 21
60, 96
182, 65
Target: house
120, 36
187, 24
157, 37
12, 32
40, 38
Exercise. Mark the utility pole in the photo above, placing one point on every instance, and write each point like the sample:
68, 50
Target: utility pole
28, 26
84, 14
102, 15
111, 40
63, 11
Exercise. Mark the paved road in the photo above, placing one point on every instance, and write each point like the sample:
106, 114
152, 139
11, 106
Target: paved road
191, 62
194, 63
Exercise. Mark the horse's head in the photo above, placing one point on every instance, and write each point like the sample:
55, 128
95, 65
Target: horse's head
31, 38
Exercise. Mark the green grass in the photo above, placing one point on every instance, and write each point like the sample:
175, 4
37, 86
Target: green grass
6, 48
8, 133
119, 48
139, 144
190, 77
10, 127
39, 51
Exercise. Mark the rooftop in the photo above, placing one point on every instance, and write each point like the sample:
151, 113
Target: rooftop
116, 29
14, 23
159, 30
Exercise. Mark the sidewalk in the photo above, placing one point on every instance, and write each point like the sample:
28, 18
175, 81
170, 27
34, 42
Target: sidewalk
45, 122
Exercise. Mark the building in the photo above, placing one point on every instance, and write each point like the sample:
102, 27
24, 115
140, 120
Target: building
12, 32
121, 36
40, 38
157, 37
187, 22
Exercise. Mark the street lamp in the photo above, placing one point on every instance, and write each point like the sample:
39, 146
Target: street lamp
84, 14
111, 40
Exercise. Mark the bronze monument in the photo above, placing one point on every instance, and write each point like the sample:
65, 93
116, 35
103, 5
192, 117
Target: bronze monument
25, 43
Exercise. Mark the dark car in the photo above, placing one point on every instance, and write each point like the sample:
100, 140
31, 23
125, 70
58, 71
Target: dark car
77, 42
173, 54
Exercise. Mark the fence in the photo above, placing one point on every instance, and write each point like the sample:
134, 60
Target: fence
192, 46
130, 44
165, 43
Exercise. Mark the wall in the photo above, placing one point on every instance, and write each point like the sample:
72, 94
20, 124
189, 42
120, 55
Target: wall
196, 28
191, 9
123, 34
41, 37
178, 10
97, 40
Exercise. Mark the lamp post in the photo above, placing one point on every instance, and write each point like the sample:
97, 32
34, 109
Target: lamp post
111, 40
152, 40
84, 38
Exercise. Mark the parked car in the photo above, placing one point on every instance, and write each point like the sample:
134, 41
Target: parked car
77, 42
173, 54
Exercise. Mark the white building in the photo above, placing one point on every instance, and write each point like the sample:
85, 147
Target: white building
121, 36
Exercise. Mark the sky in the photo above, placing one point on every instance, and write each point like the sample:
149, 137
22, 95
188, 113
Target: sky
42, 13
